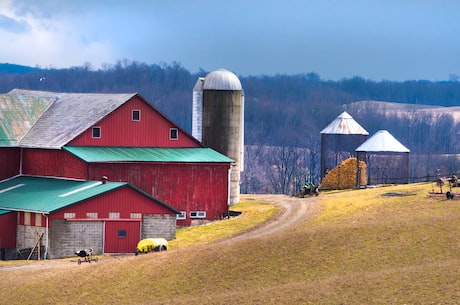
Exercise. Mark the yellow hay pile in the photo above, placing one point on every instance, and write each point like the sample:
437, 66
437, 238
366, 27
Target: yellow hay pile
344, 175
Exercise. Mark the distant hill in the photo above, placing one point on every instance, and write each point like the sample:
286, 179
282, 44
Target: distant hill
399, 109
6, 68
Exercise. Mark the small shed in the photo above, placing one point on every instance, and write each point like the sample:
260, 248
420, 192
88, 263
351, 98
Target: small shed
339, 141
386, 158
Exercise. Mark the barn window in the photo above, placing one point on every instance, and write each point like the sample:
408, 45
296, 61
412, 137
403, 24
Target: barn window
136, 115
173, 134
198, 214
69, 215
38, 219
114, 214
96, 132
182, 215
27, 218
91, 215
122, 233
136, 215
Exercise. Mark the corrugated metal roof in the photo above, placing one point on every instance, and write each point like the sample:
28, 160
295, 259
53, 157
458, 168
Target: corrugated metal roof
45, 195
222, 80
147, 154
382, 141
18, 114
344, 124
69, 115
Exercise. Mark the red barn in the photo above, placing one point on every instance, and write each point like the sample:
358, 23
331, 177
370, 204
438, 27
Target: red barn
71, 215
120, 136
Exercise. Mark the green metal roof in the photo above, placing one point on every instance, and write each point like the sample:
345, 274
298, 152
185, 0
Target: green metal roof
147, 154
45, 195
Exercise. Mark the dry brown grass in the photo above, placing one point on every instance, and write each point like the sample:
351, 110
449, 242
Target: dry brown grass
362, 248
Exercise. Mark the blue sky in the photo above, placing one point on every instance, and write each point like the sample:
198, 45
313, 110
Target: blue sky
387, 39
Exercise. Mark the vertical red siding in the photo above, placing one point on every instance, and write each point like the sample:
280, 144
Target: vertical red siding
118, 129
126, 244
186, 187
52, 162
124, 201
8, 232
9, 162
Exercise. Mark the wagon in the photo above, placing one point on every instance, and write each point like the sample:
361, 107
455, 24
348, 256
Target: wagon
151, 244
87, 255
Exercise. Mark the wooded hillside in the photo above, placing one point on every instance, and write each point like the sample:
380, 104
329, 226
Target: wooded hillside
284, 112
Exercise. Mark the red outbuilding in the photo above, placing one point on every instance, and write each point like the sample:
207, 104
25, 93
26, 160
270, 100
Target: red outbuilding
62, 216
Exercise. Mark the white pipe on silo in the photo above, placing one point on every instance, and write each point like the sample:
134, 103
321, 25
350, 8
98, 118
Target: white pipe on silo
197, 109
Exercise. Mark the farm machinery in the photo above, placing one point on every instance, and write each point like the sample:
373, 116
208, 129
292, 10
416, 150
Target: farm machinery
440, 182
151, 244
309, 189
87, 255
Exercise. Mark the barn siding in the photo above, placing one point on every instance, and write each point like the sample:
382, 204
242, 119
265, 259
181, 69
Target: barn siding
9, 162
124, 201
8, 231
54, 163
159, 226
118, 129
184, 186
68, 237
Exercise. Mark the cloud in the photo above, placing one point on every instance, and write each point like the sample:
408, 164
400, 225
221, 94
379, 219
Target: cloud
12, 25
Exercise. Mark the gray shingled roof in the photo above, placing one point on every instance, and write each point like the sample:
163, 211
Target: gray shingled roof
69, 115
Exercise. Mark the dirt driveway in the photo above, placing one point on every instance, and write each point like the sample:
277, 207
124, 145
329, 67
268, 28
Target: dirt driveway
294, 212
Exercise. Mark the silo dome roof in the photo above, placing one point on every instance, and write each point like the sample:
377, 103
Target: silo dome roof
222, 80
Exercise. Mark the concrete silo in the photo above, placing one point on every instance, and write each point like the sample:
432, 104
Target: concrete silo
218, 120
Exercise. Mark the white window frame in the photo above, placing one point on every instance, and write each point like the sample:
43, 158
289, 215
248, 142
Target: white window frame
114, 215
69, 215
91, 215
182, 215
132, 115
135, 215
176, 130
197, 214
96, 128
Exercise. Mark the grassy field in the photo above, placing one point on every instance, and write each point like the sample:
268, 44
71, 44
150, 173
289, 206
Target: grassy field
391, 245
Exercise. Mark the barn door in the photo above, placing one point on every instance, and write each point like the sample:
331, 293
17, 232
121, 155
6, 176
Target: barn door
121, 236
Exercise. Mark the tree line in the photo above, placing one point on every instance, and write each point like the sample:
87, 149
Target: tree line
283, 112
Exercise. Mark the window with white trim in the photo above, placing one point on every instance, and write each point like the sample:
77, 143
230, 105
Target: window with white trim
91, 215
197, 214
114, 215
136, 115
182, 215
173, 134
96, 132
136, 215
69, 215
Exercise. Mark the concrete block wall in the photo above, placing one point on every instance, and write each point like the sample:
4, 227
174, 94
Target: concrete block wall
159, 226
68, 237
26, 236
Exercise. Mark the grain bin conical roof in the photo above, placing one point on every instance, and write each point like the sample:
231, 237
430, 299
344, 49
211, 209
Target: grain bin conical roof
382, 141
344, 124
